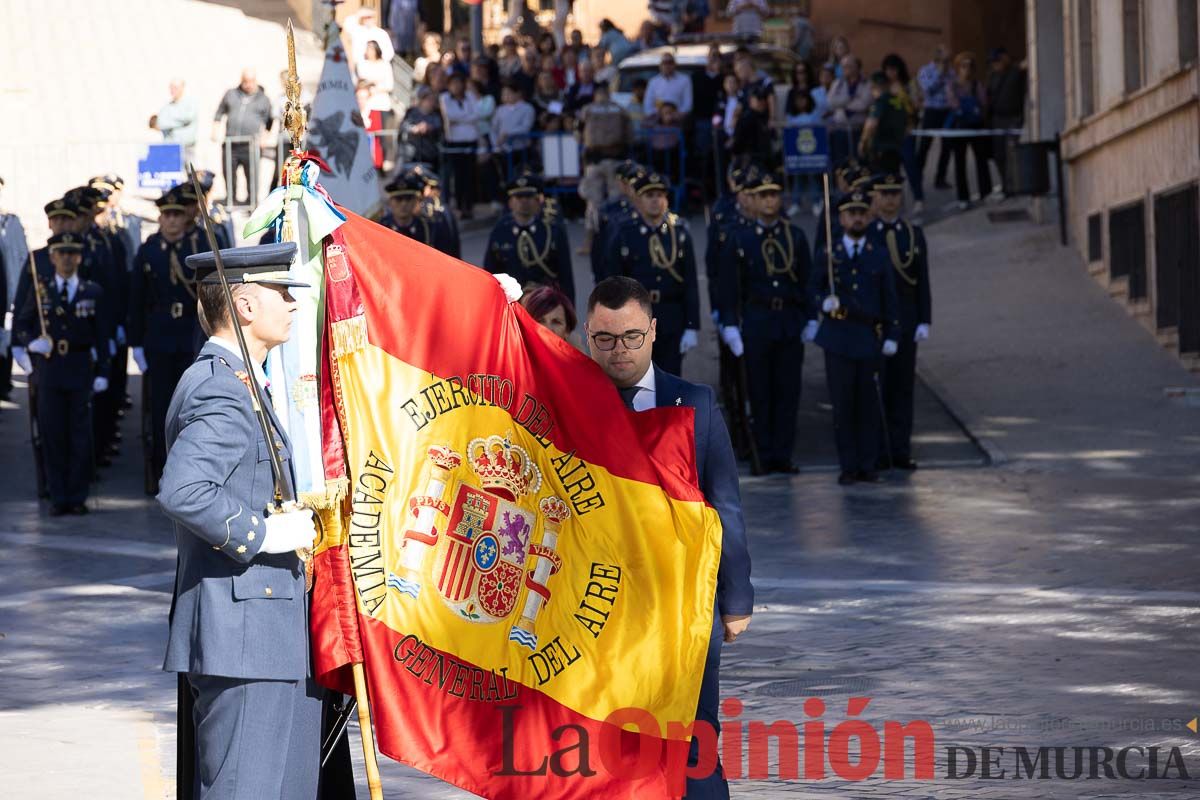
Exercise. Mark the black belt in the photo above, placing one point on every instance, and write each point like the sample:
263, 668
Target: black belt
774, 303
857, 317
656, 297
174, 310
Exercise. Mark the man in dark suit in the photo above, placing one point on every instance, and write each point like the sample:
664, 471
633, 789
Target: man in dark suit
621, 332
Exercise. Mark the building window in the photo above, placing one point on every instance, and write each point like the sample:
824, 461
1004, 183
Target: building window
1177, 265
1095, 225
1127, 247
1188, 43
1085, 68
1131, 29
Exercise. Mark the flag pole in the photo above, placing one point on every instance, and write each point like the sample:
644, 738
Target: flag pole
295, 121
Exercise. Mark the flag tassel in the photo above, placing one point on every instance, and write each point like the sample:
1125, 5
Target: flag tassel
368, 737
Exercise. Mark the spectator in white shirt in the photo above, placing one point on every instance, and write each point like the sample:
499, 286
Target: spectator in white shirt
461, 113
668, 86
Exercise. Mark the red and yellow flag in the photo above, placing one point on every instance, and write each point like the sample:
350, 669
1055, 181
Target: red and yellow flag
521, 564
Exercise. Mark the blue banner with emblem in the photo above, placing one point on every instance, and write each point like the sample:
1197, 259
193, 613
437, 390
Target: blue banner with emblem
805, 149
162, 167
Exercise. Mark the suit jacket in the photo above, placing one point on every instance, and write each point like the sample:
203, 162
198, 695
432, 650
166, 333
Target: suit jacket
237, 612
717, 468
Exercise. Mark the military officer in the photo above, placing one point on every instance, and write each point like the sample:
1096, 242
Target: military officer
60, 218
904, 244
61, 328
433, 210
404, 213
238, 627
217, 212
762, 302
655, 248
861, 326
115, 220
527, 247
164, 332
14, 254
185, 194
612, 213
847, 177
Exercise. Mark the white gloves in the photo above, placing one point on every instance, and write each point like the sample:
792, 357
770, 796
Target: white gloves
689, 340
41, 346
121, 335
99, 384
512, 289
291, 530
21, 359
921, 333
139, 358
830, 304
810, 331
732, 337
889, 347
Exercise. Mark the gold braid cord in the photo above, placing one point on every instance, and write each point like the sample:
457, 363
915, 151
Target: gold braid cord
177, 276
901, 264
658, 253
771, 246
528, 253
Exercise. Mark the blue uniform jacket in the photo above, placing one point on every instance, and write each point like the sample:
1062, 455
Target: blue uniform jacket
162, 304
757, 292
238, 613
612, 214
79, 330
717, 468
725, 217
911, 270
674, 290
867, 293
545, 256
432, 231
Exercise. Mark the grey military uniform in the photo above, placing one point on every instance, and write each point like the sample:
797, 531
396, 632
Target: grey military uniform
239, 626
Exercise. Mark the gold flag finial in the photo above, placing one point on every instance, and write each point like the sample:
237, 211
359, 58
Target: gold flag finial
295, 120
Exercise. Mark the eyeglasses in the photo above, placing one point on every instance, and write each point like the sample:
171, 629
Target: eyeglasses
633, 340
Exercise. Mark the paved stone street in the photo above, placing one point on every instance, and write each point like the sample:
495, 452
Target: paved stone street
1038, 592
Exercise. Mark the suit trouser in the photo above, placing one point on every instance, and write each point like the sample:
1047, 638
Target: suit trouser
899, 382
714, 786
773, 370
256, 739
856, 410
165, 371
65, 422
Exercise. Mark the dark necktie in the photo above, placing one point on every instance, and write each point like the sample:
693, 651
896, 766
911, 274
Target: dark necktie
63, 296
857, 249
627, 395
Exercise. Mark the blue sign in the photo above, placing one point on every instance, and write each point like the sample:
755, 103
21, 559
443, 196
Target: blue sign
162, 167
805, 149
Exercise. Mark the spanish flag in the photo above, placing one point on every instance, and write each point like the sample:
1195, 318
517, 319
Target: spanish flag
525, 568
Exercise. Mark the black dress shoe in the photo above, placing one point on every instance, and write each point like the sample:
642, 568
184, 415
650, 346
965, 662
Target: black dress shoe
867, 476
904, 463
785, 468
59, 510
79, 509
846, 478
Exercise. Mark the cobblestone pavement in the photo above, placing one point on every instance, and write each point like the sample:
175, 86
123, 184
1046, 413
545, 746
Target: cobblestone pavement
1008, 606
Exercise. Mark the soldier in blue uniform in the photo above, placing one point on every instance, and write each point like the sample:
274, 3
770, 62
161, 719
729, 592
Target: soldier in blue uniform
611, 214
847, 177
527, 247
217, 212
185, 194
125, 232
433, 210
861, 326
904, 244
729, 210
163, 329
404, 213
763, 278
61, 327
655, 248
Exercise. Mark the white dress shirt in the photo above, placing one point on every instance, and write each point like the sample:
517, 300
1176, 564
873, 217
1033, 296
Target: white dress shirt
647, 394
850, 244
72, 286
676, 89
259, 374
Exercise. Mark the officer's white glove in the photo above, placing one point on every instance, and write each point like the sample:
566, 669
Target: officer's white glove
889, 348
732, 337
99, 384
139, 358
41, 346
810, 331
689, 340
512, 289
291, 530
121, 335
830, 304
921, 333
21, 359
